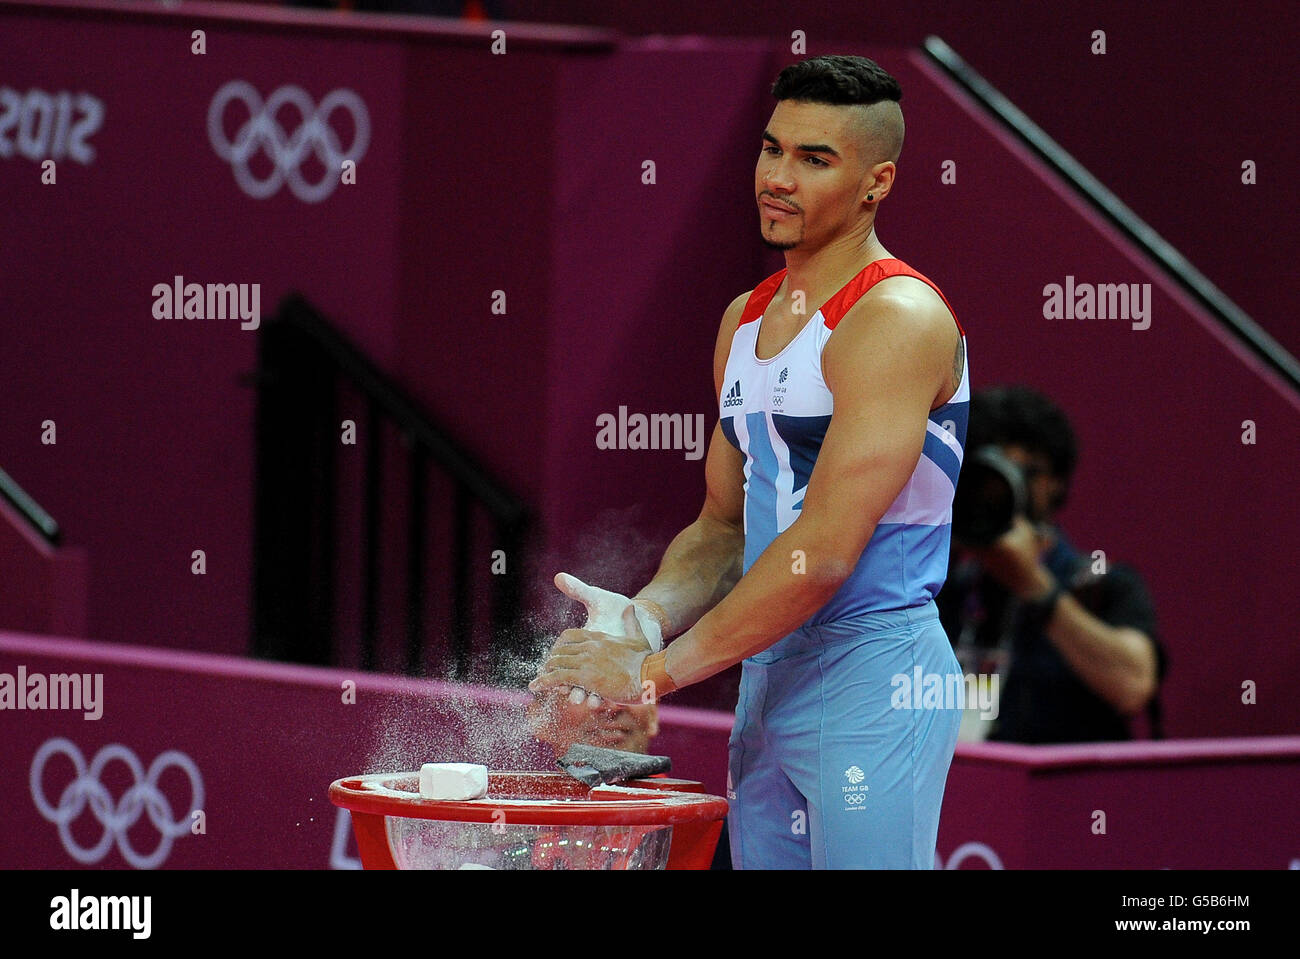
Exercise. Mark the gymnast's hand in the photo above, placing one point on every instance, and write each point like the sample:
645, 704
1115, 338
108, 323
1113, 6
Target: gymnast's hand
598, 662
1015, 559
560, 723
605, 611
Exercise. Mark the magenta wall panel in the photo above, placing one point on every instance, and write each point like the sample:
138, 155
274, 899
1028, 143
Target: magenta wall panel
263, 741
254, 746
523, 173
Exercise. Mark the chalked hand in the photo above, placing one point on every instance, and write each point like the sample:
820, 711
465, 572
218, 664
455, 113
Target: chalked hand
608, 650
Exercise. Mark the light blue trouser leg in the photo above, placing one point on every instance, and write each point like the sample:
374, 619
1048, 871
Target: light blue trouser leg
767, 822
818, 734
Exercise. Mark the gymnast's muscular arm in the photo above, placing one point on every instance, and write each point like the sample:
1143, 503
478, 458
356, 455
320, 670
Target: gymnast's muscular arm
886, 364
703, 562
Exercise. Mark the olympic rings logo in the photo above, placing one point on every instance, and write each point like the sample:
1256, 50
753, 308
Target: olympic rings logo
144, 796
970, 850
261, 131
855, 799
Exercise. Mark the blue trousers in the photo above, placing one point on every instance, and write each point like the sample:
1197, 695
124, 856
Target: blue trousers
833, 762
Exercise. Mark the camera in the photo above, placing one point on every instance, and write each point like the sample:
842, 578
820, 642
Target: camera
991, 492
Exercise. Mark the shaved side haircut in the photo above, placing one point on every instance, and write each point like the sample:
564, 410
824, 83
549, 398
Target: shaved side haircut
851, 81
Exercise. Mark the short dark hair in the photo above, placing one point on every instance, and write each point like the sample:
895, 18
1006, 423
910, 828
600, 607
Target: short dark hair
1017, 415
837, 80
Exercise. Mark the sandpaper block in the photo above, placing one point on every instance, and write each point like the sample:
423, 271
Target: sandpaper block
596, 765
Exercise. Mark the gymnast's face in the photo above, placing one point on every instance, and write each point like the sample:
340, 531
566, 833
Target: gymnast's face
812, 175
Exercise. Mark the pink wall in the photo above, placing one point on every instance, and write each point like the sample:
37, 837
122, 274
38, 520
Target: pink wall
1183, 95
523, 173
44, 586
154, 452
1211, 804
263, 741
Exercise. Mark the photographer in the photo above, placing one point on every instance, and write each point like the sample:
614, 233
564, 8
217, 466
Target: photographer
1072, 638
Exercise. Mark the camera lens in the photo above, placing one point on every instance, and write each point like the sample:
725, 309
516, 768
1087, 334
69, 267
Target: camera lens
990, 492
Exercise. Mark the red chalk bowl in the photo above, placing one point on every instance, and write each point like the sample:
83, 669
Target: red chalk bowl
533, 820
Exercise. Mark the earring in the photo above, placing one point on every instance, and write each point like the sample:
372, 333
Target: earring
870, 197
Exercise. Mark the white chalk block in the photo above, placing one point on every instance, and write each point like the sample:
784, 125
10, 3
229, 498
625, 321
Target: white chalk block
453, 781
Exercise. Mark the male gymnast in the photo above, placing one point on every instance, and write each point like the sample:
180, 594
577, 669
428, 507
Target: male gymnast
843, 390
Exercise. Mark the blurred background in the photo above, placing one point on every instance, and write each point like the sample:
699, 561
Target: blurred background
548, 207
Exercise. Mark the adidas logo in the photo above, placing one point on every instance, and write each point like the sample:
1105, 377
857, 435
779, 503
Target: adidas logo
733, 396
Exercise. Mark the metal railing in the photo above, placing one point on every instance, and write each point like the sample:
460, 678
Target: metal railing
30, 510
1235, 319
311, 384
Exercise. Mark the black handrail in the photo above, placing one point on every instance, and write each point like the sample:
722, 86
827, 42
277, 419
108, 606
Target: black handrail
399, 407
30, 510
1176, 265
302, 360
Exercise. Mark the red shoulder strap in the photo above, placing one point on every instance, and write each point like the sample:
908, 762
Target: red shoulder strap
838, 305
759, 299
